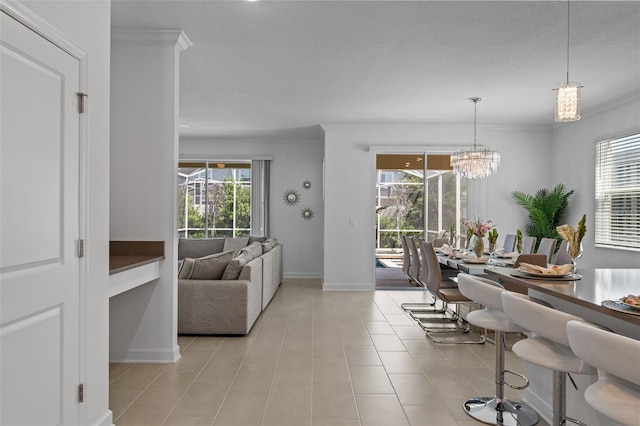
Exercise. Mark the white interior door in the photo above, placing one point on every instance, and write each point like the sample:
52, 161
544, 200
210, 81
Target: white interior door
39, 266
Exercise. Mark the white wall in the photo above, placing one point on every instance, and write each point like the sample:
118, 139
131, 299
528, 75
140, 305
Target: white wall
87, 25
144, 154
574, 164
293, 161
350, 185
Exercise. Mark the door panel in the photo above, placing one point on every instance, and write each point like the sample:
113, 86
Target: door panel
39, 220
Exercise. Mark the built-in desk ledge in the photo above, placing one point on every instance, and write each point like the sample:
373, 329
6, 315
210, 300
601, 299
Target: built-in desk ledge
133, 263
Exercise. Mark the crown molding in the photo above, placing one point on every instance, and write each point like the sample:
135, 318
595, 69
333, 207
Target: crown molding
129, 37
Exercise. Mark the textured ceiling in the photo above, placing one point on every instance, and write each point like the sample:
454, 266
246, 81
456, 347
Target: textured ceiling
263, 67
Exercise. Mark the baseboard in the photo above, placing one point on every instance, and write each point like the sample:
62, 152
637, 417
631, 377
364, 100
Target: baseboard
301, 275
349, 286
106, 419
150, 356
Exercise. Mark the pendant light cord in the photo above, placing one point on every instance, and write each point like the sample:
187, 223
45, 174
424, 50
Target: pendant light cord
568, 4
475, 113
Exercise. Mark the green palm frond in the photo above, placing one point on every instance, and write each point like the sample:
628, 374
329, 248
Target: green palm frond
546, 209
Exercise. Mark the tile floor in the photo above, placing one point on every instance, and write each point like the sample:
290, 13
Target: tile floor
313, 358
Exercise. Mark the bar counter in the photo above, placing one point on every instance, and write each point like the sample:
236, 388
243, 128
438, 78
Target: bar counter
583, 297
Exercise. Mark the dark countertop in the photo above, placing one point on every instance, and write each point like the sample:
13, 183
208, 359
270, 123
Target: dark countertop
124, 255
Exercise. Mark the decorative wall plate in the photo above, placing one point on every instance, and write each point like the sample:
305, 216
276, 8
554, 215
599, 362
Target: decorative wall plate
291, 197
307, 214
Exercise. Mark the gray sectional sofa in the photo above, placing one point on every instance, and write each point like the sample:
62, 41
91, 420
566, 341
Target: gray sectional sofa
225, 283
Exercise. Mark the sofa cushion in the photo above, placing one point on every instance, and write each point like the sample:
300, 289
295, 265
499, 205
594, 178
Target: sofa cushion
232, 272
185, 269
199, 247
269, 244
254, 239
254, 249
235, 244
211, 267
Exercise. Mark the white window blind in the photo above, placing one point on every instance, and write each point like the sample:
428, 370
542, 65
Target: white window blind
617, 220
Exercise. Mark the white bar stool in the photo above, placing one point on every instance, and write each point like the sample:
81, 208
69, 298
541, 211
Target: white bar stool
549, 346
496, 409
614, 394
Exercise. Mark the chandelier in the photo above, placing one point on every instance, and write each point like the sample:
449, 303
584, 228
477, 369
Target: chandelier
568, 96
475, 163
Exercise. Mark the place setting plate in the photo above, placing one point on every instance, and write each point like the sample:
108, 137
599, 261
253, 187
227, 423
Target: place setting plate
620, 306
546, 277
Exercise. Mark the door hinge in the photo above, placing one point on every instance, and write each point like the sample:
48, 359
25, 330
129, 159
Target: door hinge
81, 101
80, 248
81, 393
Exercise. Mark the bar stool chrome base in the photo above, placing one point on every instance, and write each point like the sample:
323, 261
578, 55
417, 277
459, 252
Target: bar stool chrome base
511, 413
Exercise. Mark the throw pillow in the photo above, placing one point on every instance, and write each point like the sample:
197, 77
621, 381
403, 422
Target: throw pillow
211, 267
235, 244
185, 270
255, 250
269, 244
235, 266
254, 239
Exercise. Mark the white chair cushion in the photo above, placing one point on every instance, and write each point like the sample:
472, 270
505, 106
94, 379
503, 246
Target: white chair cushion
615, 399
552, 355
493, 320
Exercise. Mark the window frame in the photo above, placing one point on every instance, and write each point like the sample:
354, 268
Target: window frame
617, 176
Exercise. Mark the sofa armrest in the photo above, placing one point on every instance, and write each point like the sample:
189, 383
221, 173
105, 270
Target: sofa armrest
221, 306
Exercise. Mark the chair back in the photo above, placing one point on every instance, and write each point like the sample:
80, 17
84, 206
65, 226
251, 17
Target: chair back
533, 259
423, 275
434, 276
439, 242
509, 243
547, 246
594, 346
543, 320
481, 290
562, 258
414, 267
528, 243
406, 256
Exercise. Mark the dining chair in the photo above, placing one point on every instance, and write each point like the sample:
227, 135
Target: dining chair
533, 259
509, 243
414, 266
616, 394
562, 257
547, 246
406, 256
528, 243
442, 290
425, 310
439, 242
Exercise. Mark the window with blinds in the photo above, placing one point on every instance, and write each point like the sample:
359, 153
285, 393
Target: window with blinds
617, 217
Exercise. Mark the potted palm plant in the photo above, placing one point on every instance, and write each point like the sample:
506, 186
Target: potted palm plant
545, 209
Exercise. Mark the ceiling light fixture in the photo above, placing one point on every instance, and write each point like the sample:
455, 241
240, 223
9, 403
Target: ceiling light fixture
568, 96
475, 163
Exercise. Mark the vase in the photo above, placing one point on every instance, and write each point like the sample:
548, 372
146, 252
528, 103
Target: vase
574, 256
477, 245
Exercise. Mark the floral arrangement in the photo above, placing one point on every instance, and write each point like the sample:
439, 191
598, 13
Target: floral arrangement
573, 236
478, 227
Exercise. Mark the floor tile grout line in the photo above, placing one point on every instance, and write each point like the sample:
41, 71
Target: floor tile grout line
142, 391
194, 379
